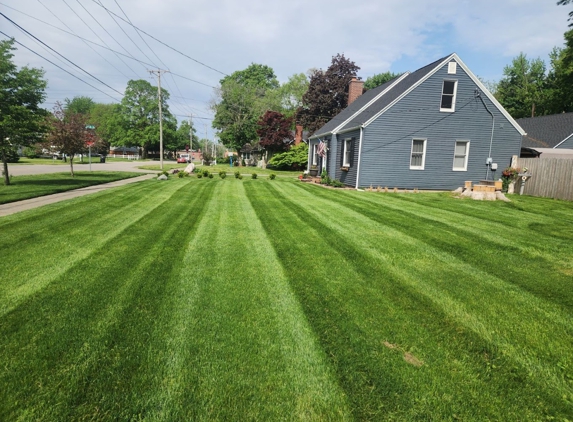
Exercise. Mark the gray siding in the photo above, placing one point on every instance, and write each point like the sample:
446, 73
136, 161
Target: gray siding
568, 144
387, 141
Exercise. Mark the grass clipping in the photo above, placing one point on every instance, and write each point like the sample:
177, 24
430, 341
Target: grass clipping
408, 357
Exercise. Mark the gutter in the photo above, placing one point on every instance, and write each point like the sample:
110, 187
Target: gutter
359, 158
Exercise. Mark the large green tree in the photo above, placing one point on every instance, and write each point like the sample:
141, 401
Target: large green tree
560, 77
140, 111
241, 99
109, 126
523, 89
379, 79
182, 138
21, 93
327, 93
79, 104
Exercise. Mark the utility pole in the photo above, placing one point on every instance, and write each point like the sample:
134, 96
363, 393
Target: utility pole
191, 136
159, 72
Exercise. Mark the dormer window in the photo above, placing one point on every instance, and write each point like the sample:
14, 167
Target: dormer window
449, 89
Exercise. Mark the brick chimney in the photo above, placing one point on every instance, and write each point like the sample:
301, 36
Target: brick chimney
298, 135
355, 89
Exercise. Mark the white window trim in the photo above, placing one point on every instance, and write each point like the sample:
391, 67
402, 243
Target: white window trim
314, 155
449, 110
423, 154
466, 157
347, 144
452, 67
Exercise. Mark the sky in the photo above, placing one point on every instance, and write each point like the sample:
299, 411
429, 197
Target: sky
201, 41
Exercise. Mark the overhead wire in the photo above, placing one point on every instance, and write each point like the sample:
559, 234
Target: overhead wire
59, 67
161, 42
105, 30
65, 58
93, 49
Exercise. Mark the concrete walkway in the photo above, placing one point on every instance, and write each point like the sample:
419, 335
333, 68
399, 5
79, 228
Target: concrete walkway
27, 204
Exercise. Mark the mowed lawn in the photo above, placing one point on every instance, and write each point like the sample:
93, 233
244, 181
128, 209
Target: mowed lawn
210, 299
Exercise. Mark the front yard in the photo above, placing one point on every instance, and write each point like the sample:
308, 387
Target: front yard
210, 299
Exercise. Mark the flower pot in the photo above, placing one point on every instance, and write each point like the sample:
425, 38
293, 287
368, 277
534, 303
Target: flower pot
314, 172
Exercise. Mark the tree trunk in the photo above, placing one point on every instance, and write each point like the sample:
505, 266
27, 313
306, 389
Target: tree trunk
72, 165
5, 165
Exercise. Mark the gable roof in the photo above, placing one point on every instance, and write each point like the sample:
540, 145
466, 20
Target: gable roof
388, 94
547, 131
356, 106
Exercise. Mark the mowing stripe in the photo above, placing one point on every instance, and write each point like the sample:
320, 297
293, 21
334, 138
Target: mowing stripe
26, 249
82, 333
534, 346
241, 348
415, 273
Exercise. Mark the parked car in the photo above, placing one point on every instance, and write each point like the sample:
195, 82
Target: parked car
183, 158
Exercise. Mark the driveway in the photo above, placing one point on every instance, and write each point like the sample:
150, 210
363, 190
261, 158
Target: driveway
27, 169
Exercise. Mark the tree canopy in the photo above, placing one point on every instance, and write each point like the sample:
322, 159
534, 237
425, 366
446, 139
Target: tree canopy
274, 129
242, 99
140, 111
79, 104
522, 90
379, 79
22, 121
327, 93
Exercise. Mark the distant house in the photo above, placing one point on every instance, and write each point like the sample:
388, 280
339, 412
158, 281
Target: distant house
548, 136
434, 128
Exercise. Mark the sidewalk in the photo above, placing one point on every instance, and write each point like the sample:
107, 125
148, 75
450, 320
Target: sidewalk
28, 204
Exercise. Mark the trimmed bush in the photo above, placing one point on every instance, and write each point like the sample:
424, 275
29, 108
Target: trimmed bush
206, 173
237, 174
254, 176
240, 177
181, 174
223, 174
272, 176
210, 175
199, 175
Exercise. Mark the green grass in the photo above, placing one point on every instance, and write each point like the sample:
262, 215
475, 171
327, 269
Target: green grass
26, 187
210, 299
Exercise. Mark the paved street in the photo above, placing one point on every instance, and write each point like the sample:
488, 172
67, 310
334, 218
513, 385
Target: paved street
26, 169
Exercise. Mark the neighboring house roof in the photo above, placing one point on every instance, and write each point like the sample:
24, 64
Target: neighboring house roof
547, 131
375, 102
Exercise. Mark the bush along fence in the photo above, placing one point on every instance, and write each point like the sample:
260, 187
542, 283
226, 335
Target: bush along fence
550, 177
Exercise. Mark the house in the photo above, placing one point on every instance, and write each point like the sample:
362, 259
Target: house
434, 128
547, 136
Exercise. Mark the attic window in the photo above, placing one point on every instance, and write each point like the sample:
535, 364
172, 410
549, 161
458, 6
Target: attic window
449, 89
452, 66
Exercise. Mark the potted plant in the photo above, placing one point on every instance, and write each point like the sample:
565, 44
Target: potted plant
313, 171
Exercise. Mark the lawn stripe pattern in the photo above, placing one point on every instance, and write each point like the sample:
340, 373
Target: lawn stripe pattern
208, 299
425, 269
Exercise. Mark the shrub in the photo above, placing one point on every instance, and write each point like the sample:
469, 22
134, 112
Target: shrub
254, 176
337, 183
175, 171
272, 176
210, 175
165, 172
181, 174
240, 177
237, 174
222, 174
199, 175
295, 158
206, 173
29, 152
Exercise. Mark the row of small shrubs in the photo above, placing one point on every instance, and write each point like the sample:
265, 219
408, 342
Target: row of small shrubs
326, 180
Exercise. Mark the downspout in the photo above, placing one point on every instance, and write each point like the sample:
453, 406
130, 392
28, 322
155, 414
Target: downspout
478, 94
359, 157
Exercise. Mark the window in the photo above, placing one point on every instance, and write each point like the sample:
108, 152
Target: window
418, 155
461, 155
347, 153
314, 155
449, 96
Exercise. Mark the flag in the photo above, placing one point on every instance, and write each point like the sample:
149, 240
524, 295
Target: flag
321, 149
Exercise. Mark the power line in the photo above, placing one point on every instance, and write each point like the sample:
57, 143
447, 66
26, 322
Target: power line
106, 46
59, 67
161, 42
68, 60
93, 49
106, 31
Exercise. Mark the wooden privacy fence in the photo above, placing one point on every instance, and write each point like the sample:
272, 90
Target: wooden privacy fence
551, 177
